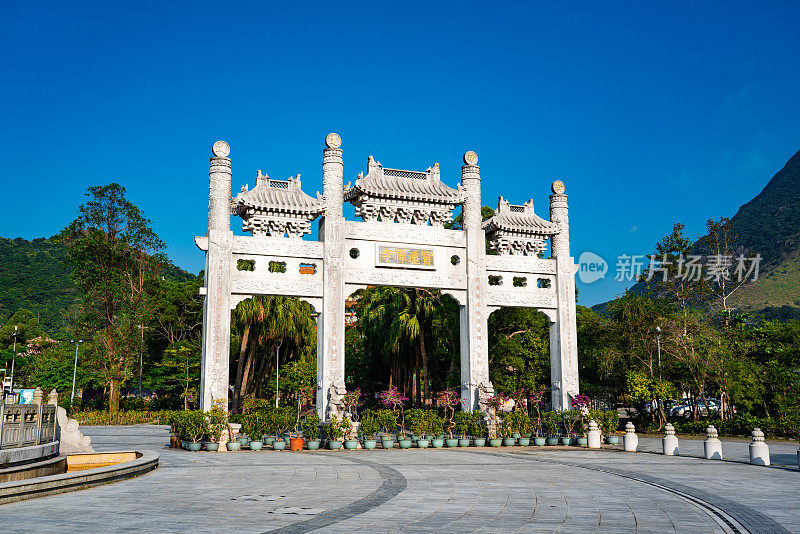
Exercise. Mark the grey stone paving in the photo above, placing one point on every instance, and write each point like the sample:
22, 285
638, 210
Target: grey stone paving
486, 490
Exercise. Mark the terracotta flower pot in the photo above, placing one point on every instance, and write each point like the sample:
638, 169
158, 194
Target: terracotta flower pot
295, 444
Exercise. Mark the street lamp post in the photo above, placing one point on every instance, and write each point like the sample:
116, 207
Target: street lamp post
277, 363
658, 342
14, 358
74, 369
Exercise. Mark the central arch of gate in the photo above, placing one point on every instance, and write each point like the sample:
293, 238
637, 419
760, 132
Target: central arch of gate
401, 241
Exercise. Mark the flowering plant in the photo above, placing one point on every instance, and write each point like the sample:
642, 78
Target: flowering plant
352, 400
394, 400
448, 400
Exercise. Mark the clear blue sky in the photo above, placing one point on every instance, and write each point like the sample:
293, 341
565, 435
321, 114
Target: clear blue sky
650, 112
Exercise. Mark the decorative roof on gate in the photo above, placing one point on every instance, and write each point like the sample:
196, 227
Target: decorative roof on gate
518, 219
417, 186
283, 196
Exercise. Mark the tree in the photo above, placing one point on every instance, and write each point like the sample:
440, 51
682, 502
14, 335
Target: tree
180, 369
267, 322
114, 256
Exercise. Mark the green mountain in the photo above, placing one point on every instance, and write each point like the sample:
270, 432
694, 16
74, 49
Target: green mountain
33, 276
769, 225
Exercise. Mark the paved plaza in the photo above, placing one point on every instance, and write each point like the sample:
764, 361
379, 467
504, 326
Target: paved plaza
476, 490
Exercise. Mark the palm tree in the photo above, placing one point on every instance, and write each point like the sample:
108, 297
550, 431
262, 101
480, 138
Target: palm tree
265, 320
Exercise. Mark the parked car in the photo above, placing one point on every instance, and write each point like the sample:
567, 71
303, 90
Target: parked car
705, 407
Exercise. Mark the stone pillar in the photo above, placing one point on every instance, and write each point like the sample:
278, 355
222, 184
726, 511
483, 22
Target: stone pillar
38, 396
593, 438
563, 331
52, 398
475, 384
759, 450
330, 323
712, 446
216, 304
670, 443
630, 441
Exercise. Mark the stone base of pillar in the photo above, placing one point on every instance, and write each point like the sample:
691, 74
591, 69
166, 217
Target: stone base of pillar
712, 449
670, 446
759, 453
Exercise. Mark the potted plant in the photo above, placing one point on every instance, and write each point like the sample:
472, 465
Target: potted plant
194, 429
524, 428
386, 422
310, 426
394, 400
352, 401
418, 425
610, 422
436, 428
569, 418
253, 426
335, 430
462, 426
217, 424
284, 420
175, 429
369, 428
550, 420
448, 400
477, 428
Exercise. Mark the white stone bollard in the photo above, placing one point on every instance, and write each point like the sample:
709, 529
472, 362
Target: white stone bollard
593, 436
670, 442
759, 451
630, 441
712, 446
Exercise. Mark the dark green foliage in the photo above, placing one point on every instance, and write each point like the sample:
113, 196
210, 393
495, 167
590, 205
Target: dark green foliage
33, 276
770, 223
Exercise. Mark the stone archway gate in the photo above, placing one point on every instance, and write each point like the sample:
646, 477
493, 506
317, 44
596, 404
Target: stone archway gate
400, 242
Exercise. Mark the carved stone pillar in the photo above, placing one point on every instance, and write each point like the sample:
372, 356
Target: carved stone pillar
216, 305
330, 323
473, 315
563, 331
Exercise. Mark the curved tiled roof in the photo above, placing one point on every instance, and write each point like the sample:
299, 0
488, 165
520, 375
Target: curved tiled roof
528, 223
422, 189
278, 195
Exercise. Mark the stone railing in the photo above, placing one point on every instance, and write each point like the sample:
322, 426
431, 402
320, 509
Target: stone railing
24, 425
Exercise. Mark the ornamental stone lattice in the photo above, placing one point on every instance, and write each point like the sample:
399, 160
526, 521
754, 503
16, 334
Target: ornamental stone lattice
401, 242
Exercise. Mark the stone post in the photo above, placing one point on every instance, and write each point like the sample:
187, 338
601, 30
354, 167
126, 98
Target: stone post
670, 442
593, 438
712, 446
216, 304
563, 331
52, 398
330, 322
38, 397
473, 315
759, 450
630, 441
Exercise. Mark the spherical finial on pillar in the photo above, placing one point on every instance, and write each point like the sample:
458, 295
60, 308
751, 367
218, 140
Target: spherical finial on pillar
558, 187
332, 140
221, 149
471, 158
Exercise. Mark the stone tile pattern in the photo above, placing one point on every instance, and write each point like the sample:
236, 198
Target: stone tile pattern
498, 490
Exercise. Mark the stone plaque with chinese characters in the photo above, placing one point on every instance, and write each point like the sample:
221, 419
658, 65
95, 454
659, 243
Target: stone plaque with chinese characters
411, 258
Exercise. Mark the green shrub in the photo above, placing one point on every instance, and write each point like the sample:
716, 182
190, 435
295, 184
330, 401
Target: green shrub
310, 426
550, 420
193, 425
336, 428
370, 426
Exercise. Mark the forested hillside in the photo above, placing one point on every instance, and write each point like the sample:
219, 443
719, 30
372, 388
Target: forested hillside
33, 276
